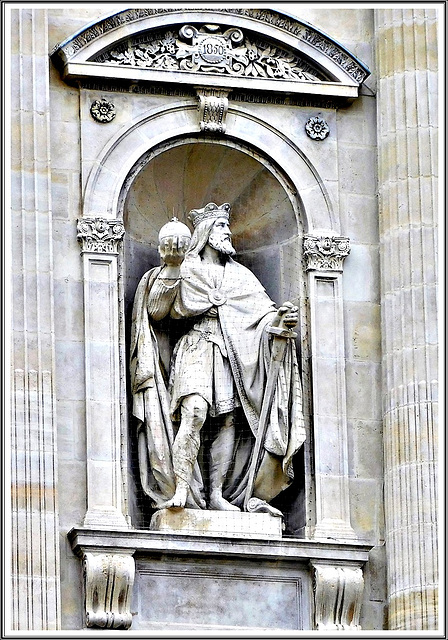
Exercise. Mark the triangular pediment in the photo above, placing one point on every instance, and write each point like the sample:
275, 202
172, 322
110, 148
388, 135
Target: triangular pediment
255, 49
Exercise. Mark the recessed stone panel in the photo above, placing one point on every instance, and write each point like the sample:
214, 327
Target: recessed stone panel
233, 595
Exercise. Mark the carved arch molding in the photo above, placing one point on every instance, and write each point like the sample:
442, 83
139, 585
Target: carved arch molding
209, 64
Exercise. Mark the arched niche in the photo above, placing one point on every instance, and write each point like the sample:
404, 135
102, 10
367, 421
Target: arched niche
195, 170
267, 232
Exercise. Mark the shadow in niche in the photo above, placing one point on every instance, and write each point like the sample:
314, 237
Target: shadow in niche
292, 501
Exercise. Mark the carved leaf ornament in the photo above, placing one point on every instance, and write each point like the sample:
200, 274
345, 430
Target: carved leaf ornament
209, 50
99, 235
324, 253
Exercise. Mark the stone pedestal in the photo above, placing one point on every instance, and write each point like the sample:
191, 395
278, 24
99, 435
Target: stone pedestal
233, 524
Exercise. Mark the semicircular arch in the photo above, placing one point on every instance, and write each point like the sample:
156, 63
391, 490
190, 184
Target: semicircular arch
113, 169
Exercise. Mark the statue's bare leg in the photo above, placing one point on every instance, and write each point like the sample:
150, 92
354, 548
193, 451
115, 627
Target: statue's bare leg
186, 447
221, 453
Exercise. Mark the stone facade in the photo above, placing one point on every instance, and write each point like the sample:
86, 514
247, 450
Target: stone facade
333, 190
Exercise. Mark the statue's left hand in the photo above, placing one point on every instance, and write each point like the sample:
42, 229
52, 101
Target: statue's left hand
287, 316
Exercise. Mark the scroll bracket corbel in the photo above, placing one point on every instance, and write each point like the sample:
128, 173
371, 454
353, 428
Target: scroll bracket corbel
108, 582
338, 591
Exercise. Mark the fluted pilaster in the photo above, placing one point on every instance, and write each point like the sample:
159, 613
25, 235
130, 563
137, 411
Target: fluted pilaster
407, 172
35, 601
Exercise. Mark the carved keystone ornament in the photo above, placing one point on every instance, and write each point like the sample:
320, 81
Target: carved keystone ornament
213, 106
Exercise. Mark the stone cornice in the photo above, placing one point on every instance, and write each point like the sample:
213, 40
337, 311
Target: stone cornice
325, 253
287, 549
301, 30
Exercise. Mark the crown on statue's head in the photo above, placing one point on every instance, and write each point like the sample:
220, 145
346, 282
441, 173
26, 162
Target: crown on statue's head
211, 210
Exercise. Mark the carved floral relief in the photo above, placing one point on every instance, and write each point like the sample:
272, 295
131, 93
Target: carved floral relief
303, 32
325, 253
99, 235
316, 128
102, 110
212, 50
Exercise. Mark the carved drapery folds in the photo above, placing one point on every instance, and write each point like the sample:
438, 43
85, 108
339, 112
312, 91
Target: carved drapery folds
337, 597
99, 235
325, 253
109, 578
213, 106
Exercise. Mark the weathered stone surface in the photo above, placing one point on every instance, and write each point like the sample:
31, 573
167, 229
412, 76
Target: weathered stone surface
35, 588
226, 524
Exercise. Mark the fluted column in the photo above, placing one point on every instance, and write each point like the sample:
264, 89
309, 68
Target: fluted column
35, 599
407, 172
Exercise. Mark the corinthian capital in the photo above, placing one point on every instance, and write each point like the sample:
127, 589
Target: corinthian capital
325, 253
99, 235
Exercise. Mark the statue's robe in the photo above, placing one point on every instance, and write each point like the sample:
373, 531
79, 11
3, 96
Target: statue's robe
244, 317
151, 406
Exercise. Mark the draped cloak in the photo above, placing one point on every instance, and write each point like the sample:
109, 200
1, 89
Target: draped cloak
244, 317
151, 406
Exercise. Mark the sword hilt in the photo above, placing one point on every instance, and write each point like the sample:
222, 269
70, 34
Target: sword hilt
281, 332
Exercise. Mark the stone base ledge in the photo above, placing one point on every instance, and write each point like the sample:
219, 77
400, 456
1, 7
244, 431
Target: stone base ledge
143, 542
234, 524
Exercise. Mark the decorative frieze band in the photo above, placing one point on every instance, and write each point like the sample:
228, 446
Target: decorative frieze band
338, 594
109, 578
98, 235
210, 49
325, 253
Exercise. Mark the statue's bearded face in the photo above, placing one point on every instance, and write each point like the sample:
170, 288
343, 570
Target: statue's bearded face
220, 237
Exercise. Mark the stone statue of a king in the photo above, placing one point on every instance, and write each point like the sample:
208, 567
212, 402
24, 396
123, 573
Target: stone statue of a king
235, 357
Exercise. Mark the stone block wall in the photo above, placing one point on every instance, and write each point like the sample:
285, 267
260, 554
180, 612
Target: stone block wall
350, 176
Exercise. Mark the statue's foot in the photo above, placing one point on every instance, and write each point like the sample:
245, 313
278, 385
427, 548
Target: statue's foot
255, 505
221, 504
177, 501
